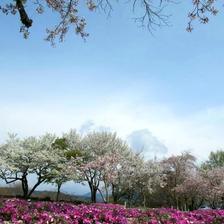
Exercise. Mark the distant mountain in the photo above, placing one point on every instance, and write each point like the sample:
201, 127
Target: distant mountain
44, 195
88, 197
49, 195
63, 196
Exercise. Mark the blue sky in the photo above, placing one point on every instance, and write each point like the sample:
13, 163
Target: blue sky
166, 87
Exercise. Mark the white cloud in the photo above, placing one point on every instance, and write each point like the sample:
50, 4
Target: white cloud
89, 126
200, 132
143, 141
86, 127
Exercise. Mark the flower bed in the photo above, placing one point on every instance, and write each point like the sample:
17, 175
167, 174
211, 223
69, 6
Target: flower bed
21, 211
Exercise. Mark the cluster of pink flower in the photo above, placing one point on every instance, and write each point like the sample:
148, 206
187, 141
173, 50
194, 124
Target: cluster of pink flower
23, 212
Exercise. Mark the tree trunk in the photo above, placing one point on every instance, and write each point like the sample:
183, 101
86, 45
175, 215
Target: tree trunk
34, 187
114, 195
93, 194
177, 203
58, 191
104, 198
106, 192
129, 199
144, 201
25, 186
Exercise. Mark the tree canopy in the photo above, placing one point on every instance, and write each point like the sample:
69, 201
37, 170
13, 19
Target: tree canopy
112, 169
215, 160
150, 13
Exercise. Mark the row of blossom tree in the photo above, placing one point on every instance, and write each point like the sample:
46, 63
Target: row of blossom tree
100, 159
110, 167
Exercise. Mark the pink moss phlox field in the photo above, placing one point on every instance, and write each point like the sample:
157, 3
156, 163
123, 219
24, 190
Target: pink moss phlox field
24, 212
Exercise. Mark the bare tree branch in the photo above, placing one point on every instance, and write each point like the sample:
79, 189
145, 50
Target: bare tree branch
26, 21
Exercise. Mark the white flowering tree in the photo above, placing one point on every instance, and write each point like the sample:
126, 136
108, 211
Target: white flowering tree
150, 176
69, 147
22, 157
124, 183
136, 179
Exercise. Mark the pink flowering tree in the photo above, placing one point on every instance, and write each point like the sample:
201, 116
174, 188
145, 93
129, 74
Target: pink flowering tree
192, 191
102, 156
214, 186
71, 13
177, 169
205, 186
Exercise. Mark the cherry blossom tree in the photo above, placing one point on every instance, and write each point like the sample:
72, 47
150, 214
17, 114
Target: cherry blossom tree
69, 147
101, 155
192, 191
23, 157
123, 182
135, 179
177, 169
111, 165
62, 173
150, 177
70, 14
214, 186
